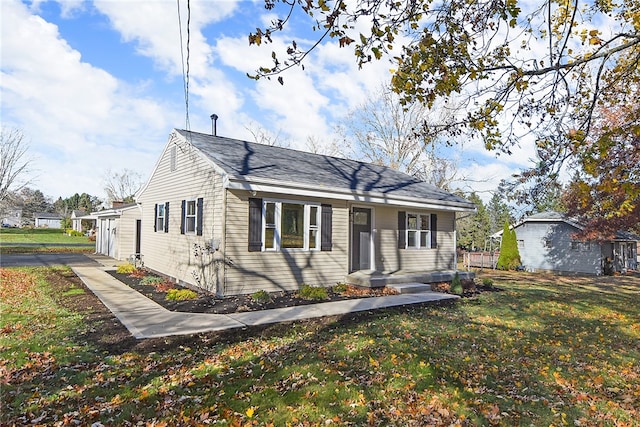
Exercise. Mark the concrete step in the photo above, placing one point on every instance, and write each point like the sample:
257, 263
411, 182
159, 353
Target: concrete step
376, 279
410, 288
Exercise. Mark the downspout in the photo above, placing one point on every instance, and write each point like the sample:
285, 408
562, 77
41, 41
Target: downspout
223, 239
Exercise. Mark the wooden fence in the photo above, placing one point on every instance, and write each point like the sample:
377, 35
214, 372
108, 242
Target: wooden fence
481, 259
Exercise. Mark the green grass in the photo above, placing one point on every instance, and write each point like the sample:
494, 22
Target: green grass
46, 239
544, 351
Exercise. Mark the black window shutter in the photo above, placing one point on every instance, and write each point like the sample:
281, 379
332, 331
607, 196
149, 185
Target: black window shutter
166, 217
255, 225
183, 213
402, 228
434, 231
200, 204
155, 218
327, 226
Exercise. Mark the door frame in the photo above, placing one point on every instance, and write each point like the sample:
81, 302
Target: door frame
352, 237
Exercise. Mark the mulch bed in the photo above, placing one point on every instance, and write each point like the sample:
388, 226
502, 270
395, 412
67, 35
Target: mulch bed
208, 303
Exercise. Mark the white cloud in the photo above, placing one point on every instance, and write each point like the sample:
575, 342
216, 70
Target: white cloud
81, 120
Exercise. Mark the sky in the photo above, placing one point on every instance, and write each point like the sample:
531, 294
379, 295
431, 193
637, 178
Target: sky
96, 87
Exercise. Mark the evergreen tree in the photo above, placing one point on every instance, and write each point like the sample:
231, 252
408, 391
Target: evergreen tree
473, 230
509, 257
498, 212
34, 201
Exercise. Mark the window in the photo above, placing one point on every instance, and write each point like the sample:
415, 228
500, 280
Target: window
580, 246
313, 227
418, 231
291, 226
162, 217
285, 225
192, 211
269, 225
190, 217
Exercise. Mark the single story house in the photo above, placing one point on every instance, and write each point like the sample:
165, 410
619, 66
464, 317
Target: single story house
47, 220
12, 218
118, 232
546, 243
235, 217
80, 220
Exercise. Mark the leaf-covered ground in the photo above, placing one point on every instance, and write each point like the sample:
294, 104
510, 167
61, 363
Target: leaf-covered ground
546, 351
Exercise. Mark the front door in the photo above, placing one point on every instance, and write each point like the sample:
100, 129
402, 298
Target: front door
361, 239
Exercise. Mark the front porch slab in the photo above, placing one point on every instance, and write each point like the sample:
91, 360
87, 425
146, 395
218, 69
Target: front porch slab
377, 279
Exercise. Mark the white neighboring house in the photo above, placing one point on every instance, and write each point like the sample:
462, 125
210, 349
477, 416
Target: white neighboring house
47, 220
12, 218
77, 216
118, 232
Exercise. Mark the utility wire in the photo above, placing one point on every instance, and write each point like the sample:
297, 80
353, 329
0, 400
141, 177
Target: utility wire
185, 68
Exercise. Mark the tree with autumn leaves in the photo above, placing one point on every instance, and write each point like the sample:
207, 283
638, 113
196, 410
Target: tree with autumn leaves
515, 71
605, 192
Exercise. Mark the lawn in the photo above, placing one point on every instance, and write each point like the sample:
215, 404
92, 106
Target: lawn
13, 240
543, 351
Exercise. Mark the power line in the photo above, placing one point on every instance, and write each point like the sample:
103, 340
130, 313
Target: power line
185, 68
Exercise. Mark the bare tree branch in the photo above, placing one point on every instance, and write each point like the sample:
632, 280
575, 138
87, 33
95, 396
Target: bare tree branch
14, 162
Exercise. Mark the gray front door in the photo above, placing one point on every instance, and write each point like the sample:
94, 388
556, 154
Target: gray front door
361, 239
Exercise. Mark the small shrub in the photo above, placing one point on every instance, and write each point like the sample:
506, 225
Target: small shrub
315, 293
456, 285
73, 233
340, 288
487, 282
151, 280
181, 294
261, 297
139, 273
165, 286
126, 268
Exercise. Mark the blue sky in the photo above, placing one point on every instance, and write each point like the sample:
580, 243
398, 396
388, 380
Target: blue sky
97, 86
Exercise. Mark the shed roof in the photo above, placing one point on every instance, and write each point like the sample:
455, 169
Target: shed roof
46, 215
552, 216
248, 161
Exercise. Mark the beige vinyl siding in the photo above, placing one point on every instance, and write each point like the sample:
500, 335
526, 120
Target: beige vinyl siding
248, 272
126, 228
390, 259
172, 253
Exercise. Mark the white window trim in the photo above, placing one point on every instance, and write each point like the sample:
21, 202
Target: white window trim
195, 216
160, 208
278, 225
417, 230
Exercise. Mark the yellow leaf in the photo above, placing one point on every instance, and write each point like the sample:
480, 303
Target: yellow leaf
373, 362
250, 411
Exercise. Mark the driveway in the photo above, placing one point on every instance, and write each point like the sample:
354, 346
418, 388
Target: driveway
45, 260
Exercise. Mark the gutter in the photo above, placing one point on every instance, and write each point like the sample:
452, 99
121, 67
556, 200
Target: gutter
275, 186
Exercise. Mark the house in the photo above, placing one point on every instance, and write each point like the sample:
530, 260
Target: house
47, 220
118, 232
235, 217
546, 243
12, 217
81, 221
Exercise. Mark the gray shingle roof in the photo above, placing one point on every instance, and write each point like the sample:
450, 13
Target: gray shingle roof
243, 159
47, 215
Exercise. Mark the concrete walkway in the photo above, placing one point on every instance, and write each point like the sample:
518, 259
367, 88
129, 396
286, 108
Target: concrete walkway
147, 319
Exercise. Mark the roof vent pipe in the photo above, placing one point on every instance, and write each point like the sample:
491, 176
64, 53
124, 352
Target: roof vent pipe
214, 124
